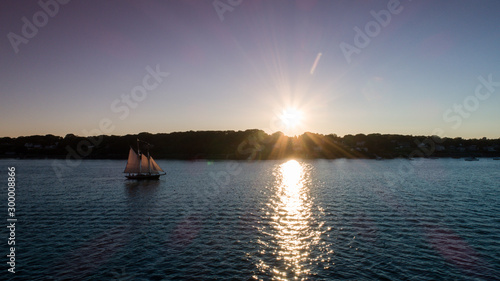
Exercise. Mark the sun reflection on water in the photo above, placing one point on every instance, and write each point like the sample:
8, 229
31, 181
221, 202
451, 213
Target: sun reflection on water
293, 231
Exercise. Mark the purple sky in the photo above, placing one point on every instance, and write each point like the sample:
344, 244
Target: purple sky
87, 65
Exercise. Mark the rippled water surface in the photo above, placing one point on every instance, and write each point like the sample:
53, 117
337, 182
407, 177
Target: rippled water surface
271, 220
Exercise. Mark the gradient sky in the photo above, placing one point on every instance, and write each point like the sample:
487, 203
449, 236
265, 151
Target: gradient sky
241, 72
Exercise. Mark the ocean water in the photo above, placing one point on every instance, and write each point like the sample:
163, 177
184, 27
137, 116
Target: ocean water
270, 220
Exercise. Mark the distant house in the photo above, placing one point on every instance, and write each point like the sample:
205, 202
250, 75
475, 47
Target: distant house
489, 148
472, 148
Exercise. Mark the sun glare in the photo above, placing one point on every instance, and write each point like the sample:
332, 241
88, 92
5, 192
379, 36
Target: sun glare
291, 118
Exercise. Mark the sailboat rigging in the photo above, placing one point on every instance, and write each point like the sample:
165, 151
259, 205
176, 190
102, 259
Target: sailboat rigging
140, 166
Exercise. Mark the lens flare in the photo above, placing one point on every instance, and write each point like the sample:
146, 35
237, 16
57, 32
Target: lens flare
291, 118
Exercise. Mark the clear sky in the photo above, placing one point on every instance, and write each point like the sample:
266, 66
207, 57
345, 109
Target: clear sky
403, 67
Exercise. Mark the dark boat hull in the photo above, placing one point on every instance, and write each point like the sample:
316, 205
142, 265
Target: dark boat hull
143, 177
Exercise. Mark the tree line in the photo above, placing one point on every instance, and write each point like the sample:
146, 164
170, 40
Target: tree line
247, 145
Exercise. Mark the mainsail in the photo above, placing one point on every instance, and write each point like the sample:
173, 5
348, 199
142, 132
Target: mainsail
133, 164
144, 164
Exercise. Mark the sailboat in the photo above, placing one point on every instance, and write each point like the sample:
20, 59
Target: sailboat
142, 167
471, 158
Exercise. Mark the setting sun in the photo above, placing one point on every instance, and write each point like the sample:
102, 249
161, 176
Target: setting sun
291, 118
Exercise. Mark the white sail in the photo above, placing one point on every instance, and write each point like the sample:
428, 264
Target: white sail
154, 166
144, 164
141, 166
132, 162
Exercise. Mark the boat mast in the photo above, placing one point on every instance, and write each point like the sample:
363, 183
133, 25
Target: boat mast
149, 161
139, 154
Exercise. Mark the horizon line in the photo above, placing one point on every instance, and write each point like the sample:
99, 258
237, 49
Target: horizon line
297, 135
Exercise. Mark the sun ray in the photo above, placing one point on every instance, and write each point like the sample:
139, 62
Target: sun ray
291, 120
